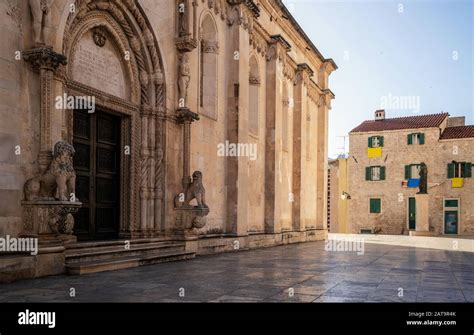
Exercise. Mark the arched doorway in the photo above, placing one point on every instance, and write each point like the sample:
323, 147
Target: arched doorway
114, 60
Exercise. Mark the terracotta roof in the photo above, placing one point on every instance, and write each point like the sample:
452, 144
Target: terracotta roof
407, 122
458, 132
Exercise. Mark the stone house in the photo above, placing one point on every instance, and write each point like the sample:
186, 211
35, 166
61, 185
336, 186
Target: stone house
384, 174
338, 196
197, 126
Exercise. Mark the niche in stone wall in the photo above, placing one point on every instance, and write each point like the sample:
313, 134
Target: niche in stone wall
284, 121
209, 49
254, 91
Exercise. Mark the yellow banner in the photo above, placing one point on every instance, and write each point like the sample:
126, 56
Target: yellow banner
374, 152
457, 182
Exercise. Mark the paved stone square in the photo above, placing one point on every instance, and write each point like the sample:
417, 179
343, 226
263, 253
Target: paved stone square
292, 273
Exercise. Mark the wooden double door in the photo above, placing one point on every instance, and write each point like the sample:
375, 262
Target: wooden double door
97, 165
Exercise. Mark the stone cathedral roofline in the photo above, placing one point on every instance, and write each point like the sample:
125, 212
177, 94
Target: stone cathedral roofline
287, 15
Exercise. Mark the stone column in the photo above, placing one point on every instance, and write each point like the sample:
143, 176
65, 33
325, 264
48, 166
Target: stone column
46, 62
324, 105
237, 126
274, 101
303, 75
321, 173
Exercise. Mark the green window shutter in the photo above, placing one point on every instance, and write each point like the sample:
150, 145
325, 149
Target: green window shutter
468, 170
381, 141
407, 172
451, 168
382, 173
368, 173
370, 142
422, 138
410, 139
375, 205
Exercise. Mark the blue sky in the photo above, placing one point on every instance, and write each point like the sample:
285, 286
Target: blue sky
422, 52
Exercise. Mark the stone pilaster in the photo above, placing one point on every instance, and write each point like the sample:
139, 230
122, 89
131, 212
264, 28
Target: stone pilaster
322, 161
46, 62
276, 55
303, 76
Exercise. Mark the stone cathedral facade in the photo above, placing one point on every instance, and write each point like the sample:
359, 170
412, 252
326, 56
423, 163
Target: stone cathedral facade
134, 132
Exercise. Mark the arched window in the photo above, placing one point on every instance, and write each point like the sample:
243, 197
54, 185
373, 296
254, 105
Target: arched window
254, 89
208, 68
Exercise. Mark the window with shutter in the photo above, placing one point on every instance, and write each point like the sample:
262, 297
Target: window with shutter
416, 138
468, 170
376, 173
451, 168
415, 171
407, 172
375, 205
376, 142
460, 170
422, 139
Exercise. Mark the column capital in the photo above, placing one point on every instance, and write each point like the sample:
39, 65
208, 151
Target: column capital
44, 58
185, 115
278, 47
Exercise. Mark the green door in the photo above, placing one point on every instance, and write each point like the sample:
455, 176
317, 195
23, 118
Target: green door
411, 213
451, 222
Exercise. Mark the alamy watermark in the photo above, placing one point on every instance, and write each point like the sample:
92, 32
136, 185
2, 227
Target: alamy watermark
72, 102
19, 244
346, 245
400, 102
228, 149
37, 318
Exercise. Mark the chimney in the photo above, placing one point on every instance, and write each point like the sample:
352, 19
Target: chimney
380, 115
456, 121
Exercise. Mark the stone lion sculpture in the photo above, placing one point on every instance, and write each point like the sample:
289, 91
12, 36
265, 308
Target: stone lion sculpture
195, 190
59, 180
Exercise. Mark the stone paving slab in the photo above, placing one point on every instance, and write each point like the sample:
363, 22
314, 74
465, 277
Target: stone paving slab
293, 273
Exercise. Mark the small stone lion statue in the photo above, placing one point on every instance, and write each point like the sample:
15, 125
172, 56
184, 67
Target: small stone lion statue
59, 180
195, 190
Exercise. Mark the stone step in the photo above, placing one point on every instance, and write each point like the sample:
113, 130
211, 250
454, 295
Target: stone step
100, 244
126, 262
102, 265
78, 255
90, 247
